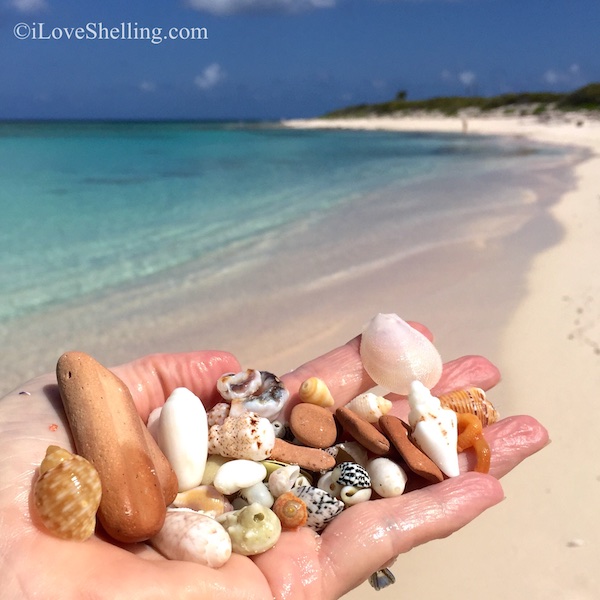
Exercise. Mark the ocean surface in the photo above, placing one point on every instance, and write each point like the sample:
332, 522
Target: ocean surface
87, 207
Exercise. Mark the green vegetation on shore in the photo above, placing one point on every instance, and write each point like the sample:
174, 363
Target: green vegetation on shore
585, 98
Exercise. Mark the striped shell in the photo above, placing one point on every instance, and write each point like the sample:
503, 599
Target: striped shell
67, 494
473, 401
321, 506
315, 391
370, 406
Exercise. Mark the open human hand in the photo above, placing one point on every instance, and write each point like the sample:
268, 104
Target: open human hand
362, 539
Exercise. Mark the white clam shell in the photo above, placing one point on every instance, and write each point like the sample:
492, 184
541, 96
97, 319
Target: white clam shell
434, 429
282, 480
394, 354
370, 406
237, 474
183, 436
246, 436
192, 536
387, 478
252, 529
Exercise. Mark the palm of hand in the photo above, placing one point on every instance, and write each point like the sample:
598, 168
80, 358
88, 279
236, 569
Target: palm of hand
359, 541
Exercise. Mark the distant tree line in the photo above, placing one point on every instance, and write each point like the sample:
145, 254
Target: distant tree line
585, 98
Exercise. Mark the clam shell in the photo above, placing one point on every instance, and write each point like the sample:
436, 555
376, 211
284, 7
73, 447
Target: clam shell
370, 406
394, 354
321, 506
67, 494
192, 536
315, 391
473, 401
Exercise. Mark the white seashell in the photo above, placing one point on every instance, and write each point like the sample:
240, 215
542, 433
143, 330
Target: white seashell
329, 484
213, 463
153, 421
247, 436
237, 474
434, 429
267, 401
192, 536
349, 473
183, 436
394, 354
321, 506
205, 499
301, 481
283, 479
217, 414
349, 451
259, 492
252, 529
233, 386
387, 478
370, 406
351, 495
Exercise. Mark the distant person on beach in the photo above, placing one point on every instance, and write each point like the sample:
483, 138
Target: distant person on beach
303, 564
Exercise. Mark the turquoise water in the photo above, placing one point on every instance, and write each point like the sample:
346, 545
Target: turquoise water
90, 206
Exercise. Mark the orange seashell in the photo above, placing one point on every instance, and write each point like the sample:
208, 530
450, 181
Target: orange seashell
473, 401
470, 435
67, 494
291, 511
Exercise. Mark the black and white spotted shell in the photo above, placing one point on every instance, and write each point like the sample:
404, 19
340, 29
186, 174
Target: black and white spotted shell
321, 506
350, 473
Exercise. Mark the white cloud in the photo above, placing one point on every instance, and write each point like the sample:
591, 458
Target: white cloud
467, 78
570, 76
229, 7
29, 6
211, 76
147, 86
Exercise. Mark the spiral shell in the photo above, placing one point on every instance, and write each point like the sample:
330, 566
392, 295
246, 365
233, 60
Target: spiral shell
370, 406
315, 391
291, 511
67, 494
321, 506
473, 401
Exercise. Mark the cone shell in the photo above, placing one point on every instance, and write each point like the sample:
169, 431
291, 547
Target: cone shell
67, 494
394, 354
370, 406
473, 401
315, 391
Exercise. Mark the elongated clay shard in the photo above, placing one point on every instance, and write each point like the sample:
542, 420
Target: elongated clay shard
434, 429
394, 354
192, 536
183, 436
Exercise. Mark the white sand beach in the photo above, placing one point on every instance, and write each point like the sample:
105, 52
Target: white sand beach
543, 541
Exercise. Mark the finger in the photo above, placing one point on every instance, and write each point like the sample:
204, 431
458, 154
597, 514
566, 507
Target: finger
152, 378
368, 535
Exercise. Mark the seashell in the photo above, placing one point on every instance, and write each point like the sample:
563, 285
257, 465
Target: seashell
152, 423
192, 536
434, 429
349, 482
259, 492
273, 465
302, 480
205, 499
267, 401
280, 429
217, 414
247, 436
252, 529
67, 494
473, 401
349, 451
237, 474
381, 579
213, 463
183, 437
370, 406
320, 506
315, 391
282, 480
235, 386
394, 354
387, 478
291, 511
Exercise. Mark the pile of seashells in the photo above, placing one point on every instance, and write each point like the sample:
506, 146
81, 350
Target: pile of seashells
244, 475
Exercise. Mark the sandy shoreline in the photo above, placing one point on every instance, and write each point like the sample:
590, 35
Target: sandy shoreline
542, 542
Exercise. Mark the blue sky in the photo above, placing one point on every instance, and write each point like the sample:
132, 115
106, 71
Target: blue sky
273, 59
